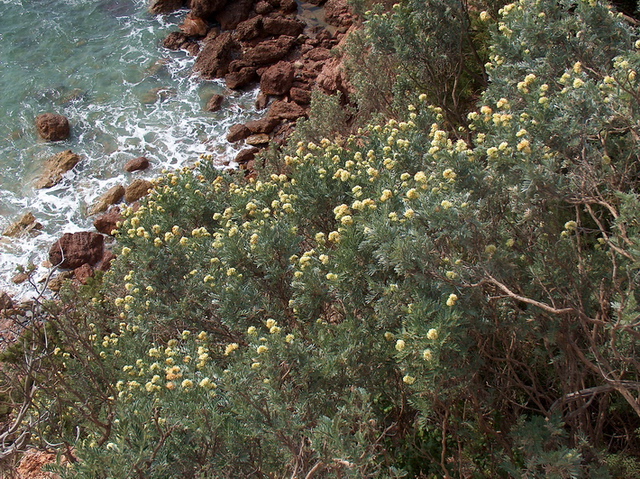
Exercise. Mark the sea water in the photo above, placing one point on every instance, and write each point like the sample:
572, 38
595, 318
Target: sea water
101, 64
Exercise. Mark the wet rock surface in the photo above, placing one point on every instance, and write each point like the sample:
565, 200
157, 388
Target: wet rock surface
53, 127
55, 167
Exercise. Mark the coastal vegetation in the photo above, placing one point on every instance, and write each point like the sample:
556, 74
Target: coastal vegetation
435, 280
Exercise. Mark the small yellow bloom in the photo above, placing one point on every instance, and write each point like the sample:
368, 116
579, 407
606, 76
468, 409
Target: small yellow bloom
230, 348
427, 355
449, 174
451, 301
433, 333
408, 379
400, 344
413, 194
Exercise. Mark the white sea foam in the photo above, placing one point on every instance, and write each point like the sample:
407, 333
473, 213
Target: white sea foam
125, 97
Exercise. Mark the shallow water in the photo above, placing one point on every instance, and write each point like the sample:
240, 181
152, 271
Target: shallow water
101, 64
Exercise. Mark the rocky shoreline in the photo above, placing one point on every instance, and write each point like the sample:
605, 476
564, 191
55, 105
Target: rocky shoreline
269, 43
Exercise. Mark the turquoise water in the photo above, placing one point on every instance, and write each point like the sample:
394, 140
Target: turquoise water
101, 64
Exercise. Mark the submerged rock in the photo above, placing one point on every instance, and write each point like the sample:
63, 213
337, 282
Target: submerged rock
26, 224
215, 103
56, 166
53, 127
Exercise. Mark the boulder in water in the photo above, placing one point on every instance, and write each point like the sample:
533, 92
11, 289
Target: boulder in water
166, 6
137, 164
56, 166
112, 196
26, 224
75, 249
215, 103
53, 127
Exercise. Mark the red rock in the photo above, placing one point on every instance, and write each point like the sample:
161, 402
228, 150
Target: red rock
83, 273
5, 301
236, 12
332, 78
279, 25
176, 41
286, 110
270, 51
214, 103
107, 222
20, 278
302, 96
338, 13
32, 463
112, 196
241, 78
262, 101
137, 189
263, 8
105, 264
165, 6
246, 155
55, 284
213, 60
263, 125
53, 127
318, 54
207, 8
259, 139
26, 224
192, 48
137, 164
277, 79
238, 132
249, 29
288, 6
194, 26
75, 249
55, 167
